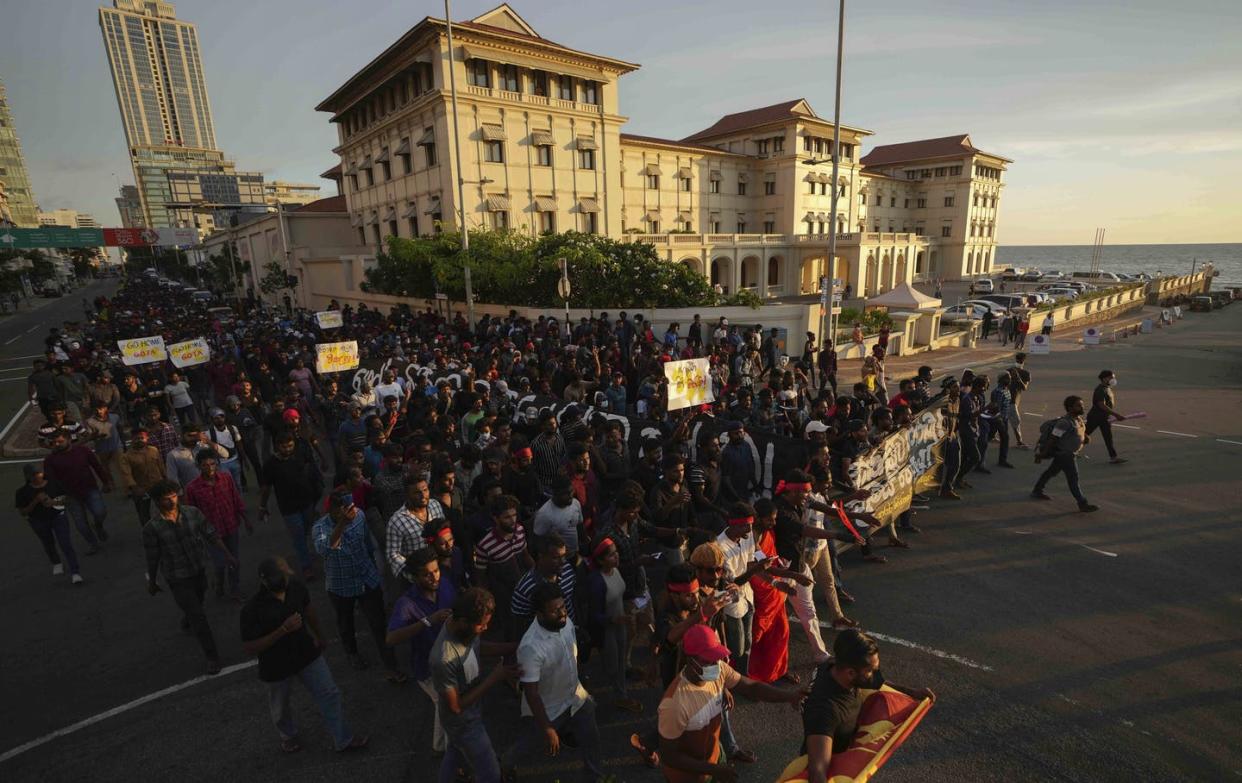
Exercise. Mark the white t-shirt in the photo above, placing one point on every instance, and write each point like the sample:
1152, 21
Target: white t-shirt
737, 557
384, 390
813, 518
551, 518
550, 658
179, 394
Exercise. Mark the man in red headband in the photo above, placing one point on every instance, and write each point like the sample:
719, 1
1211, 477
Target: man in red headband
737, 544
438, 535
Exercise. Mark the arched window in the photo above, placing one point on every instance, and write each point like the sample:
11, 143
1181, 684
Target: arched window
774, 271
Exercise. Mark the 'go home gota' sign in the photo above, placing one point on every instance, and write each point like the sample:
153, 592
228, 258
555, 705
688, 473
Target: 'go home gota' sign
336, 357
141, 350
189, 353
689, 383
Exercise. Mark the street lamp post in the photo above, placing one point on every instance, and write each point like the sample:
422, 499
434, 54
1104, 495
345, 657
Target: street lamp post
831, 313
461, 174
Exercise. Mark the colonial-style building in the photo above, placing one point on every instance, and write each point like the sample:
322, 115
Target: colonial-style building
746, 201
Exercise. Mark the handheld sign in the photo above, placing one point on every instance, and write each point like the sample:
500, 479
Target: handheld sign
336, 357
689, 383
189, 353
329, 319
140, 350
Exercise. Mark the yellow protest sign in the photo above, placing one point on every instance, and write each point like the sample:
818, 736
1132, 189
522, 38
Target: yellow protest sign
329, 319
140, 350
189, 353
689, 383
336, 357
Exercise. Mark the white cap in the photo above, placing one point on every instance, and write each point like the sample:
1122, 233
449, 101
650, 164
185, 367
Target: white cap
815, 426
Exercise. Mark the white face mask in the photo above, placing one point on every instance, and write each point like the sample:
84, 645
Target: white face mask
710, 673
1112, 381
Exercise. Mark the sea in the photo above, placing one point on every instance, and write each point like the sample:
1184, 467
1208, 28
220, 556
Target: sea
1130, 259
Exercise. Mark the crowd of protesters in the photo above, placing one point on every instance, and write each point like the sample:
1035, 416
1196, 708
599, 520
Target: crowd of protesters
417, 490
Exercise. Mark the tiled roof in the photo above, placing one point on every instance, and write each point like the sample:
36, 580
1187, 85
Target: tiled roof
924, 149
672, 143
741, 120
330, 204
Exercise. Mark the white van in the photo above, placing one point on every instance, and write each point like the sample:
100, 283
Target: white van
984, 285
1102, 277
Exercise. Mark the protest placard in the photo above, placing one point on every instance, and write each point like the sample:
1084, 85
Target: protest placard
140, 350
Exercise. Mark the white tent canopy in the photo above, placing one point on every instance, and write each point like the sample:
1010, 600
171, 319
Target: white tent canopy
904, 297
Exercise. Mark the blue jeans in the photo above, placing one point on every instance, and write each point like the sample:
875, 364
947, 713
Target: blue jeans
79, 509
56, 532
584, 727
299, 524
317, 678
470, 747
952, 463
738, 639
1068, 464
233, 466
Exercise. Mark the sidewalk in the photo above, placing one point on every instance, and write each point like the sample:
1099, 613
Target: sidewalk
985, 353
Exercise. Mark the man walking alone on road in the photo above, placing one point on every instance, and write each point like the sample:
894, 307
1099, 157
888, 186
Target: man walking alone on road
1061, 440
1102, 408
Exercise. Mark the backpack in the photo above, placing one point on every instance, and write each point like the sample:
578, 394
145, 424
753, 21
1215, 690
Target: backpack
1043, 446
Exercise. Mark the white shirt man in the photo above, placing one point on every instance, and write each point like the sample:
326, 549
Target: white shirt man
738, 555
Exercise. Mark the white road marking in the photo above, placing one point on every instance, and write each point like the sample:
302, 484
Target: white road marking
1028, 413
11, 380
12, 340
17, 369
150, 697
1128, 426
1234, 442
1178, 434
914, 646
16, 417
19, 358
19, 461
1101, 551
31, 329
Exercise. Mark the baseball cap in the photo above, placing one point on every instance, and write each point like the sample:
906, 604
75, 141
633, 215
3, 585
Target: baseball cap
702, 643
815, 426
291, 414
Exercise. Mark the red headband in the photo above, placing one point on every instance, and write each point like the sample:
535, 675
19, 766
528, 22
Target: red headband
601, 547
739, 521
523, 452
682, 587
782, 486
444, 532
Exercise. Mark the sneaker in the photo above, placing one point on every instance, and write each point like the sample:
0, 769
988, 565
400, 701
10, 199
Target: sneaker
1039, 494
1087, 508
77, 579
213, 667
1118, 461
58, 569
1004, 465
949, 494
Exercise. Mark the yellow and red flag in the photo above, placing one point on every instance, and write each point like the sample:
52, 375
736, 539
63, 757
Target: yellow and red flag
886, 719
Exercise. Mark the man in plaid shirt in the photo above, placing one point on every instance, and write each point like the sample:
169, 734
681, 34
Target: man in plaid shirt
174, 539
215, 494
405, 528
160, 433
351, 577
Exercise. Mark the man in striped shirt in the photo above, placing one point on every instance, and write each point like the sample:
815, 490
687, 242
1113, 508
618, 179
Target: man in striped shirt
548, 451
405, 528
550, 566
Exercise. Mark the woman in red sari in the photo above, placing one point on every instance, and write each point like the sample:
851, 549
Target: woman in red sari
769, 652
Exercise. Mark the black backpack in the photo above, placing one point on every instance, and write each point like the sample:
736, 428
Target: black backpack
1043, 446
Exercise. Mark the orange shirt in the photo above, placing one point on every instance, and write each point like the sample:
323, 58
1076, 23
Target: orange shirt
690, 715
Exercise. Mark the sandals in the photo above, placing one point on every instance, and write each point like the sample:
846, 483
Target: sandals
844, 597
290, 745
876, 558
898, 543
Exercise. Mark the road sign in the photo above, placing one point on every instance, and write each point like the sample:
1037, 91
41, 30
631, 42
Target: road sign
562, 288
50, 236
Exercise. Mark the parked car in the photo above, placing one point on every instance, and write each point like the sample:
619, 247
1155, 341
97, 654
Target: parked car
997, 309
1201, 303
1062, 293
983, 285
1010, 276
1078, 286
49, 290
1007, 301
1101, 276
964, 312
1032, 276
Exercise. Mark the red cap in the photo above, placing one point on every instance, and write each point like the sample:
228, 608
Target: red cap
292, 415
702, 643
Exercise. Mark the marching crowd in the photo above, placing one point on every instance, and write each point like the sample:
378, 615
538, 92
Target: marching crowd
477, 491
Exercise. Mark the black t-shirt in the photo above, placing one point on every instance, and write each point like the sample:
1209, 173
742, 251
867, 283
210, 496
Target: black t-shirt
1103, 393
668, 654
788, 533
845, 448
296, 481
41, 513
832, 711
265, 613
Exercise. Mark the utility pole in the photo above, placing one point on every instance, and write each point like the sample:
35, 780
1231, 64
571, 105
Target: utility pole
461, 174
830, 315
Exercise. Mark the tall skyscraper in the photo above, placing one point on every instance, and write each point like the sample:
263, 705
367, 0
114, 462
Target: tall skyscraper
21, 207
129, 205
157, 70
158, 74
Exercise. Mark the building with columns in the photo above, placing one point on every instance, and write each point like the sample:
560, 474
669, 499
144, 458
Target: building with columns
746, 201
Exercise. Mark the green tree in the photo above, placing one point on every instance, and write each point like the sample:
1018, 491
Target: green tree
275, 279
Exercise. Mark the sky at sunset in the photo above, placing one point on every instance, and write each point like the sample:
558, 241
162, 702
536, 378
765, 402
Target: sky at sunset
1123, 115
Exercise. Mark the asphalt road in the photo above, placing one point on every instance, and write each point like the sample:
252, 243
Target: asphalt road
1063, 646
